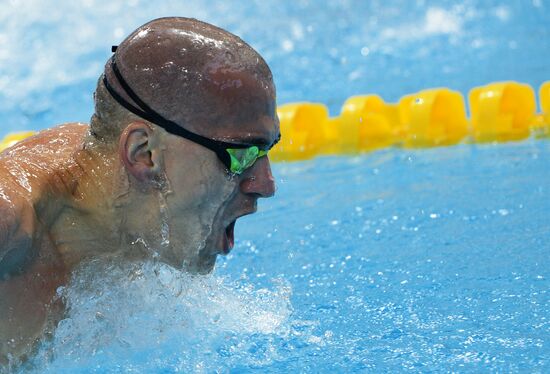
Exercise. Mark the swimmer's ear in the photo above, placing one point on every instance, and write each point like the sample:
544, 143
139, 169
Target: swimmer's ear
139, 151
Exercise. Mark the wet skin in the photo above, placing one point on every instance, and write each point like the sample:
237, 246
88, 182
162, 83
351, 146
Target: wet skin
37, 178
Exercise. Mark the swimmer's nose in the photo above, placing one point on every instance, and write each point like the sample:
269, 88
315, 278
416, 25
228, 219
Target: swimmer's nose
258, 180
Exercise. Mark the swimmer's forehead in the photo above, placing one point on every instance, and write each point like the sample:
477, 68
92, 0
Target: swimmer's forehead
264, 133
243, 109
262, 141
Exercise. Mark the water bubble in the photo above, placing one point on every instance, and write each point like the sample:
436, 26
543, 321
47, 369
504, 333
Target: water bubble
287, 45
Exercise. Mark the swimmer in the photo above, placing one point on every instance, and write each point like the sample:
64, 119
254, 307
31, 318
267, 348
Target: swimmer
175, 152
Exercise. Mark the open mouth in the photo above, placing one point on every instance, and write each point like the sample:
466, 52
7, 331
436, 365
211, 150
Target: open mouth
229, 237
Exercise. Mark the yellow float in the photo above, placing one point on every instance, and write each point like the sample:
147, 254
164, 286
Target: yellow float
13, 138
367, 123
541, 127
433, 117
501, 111
302, 126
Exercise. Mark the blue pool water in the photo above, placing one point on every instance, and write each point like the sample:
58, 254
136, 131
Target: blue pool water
433, 260
428, 260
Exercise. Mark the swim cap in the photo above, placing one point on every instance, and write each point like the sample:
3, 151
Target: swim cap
189, 71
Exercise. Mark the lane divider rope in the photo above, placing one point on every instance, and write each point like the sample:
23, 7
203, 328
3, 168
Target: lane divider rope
499, 112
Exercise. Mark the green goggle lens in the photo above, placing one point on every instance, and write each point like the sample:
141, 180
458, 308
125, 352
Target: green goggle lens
243, 158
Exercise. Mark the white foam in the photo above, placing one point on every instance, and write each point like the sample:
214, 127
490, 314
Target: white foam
152, 316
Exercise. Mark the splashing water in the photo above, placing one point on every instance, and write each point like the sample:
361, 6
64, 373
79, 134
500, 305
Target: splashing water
151, 317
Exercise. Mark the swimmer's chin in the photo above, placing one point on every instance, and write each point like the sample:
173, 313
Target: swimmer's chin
182, 260
201, 266
204, 268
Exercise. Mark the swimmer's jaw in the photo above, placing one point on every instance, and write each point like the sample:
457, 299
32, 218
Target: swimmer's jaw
206, 260
203, 265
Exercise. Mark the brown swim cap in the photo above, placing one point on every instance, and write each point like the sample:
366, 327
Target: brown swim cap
191, 72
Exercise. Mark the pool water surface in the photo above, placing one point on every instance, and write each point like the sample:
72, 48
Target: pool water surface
398, 260
429, 260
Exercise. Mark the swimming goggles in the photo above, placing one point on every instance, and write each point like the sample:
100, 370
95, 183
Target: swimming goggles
236, 157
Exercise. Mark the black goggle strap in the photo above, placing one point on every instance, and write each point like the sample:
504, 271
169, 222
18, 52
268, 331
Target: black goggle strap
151, 115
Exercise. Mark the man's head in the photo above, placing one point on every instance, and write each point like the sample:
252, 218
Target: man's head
176, 94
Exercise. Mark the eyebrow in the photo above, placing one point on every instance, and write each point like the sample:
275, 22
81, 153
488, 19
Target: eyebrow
259, 141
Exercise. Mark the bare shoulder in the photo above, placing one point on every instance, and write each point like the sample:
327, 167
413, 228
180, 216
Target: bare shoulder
29, 164
25, 172
53, 142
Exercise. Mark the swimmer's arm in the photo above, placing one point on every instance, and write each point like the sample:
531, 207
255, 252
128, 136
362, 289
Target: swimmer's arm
16, 231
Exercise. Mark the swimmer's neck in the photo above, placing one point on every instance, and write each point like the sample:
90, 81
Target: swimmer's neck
81, 214
103, 216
